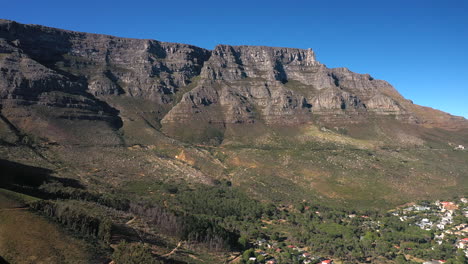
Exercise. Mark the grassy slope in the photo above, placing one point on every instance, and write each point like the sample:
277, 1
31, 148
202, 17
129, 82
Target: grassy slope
28, 238
278, 166
381, 171
283, 165
287, 166
381, 162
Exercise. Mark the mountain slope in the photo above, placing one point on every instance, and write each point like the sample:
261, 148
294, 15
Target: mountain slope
276, 122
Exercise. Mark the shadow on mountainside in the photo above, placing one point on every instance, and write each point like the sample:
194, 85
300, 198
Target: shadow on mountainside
20, 177
3, 261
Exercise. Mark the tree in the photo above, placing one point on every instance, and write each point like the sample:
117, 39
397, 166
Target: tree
400, 259
105, 230
261, 258
243, 241
461, 258
275, 236
133, 253
247, 254
300, 207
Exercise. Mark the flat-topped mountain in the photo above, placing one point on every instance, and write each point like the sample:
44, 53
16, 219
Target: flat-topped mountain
187, 84
275, 116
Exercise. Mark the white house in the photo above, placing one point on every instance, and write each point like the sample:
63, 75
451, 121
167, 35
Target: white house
462, 243
433, 262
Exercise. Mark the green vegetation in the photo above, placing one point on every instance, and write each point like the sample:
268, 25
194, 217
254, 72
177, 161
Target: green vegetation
223, 218
221, 202
239, 186
133, 253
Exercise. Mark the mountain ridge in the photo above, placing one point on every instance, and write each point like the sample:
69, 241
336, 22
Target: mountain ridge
346, 90
112, 111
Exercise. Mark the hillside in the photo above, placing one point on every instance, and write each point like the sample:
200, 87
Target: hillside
153, 121
74, 93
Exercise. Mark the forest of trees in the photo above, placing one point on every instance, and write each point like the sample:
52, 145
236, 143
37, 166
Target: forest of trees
193, 229
224, 218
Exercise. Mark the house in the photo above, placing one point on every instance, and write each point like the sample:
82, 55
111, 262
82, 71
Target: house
421, 208
462, 243
446, 220
460, 147
446, 203
425, 224
449, 205
271, 261
327, 261
434, 262
253, 259
439, 238
260, 242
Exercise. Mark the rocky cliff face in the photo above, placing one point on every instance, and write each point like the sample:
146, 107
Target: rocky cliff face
280, 86
71, 76
108, 65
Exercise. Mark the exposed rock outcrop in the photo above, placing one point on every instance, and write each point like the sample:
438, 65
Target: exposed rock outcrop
73, 74
279, 86
111, 65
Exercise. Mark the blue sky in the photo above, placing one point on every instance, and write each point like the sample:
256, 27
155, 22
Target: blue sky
419, 46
